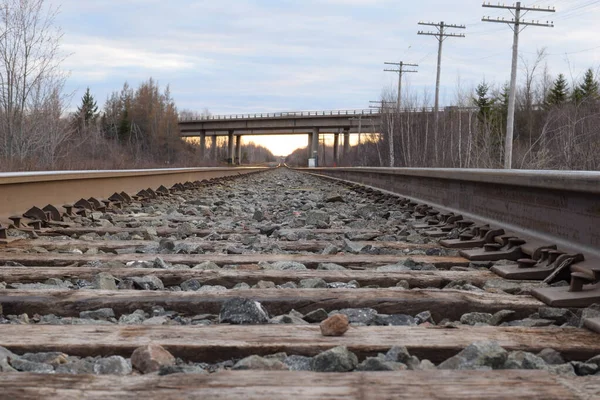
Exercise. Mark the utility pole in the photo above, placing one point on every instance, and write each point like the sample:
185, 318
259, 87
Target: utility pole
400, 71
517, 25
440, 35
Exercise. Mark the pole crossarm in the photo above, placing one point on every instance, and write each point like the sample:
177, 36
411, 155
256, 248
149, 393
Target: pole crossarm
512, 22
522, 8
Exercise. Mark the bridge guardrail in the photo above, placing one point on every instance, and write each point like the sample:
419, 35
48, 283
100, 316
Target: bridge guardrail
284, 114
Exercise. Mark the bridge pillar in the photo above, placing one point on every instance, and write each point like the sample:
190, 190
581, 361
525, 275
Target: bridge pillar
238, 150
315, 146
336, 145
346, 151
213, 147
230, 147
309, 147
202, 144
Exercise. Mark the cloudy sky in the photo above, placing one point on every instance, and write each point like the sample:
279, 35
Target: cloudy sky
242, 56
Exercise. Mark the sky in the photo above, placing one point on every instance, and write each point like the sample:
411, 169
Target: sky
243, 56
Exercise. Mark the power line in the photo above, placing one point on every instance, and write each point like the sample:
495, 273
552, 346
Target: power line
440, 35
517, 24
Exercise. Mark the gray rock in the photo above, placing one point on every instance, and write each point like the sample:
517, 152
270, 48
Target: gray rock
101, 313
113, 365
180, 369
584, 369
330, 249
135, 318
501, 316
330, 267
313, 283
477, 356
242, 286
397, 354
530, 322
317, 218
260, 363
288, 319
338, 359
423, 317
592, 311
551, 356
258, 215
5, 357
76, 367
462, 285
560, 315
298, 363
352, 247
190, 285
207, 265
289, 266
394, 320
378, 364
427, 365
264, 285
404, 284
364, 316
524, 360
160, 263
593, 360
212, 288
53, 357
243, 311
475, 318
562, 369
316, 316
393, 268
31, 366
288, 285
148, 282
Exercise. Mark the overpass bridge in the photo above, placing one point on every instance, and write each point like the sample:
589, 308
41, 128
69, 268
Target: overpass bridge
311, 123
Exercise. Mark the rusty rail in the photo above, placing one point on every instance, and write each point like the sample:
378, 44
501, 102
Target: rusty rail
562, 207
21, 191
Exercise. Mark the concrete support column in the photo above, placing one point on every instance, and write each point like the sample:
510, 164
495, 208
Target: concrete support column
213, 147
336, 145
309, 147
238, 150
346, 151
202, 144
315, 145
230, 148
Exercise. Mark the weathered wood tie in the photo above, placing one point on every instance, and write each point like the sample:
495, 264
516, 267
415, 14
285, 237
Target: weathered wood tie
229, 278
262, 385
222, 342
442, 303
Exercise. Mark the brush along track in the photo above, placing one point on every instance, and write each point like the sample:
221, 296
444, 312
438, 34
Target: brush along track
83, 293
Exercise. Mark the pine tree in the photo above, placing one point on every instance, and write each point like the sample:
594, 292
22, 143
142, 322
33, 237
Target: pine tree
482, 100
587, 89
559, 92
87, 112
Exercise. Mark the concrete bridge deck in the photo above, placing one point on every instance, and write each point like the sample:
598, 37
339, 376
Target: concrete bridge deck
311, 123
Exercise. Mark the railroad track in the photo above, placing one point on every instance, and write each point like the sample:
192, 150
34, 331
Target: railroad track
198, 287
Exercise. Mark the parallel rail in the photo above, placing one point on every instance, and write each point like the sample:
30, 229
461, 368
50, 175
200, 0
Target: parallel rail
21, 191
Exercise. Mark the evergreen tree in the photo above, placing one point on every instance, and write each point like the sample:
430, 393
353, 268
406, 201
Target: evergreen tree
559, 92
483, 101
87, 112
587, 89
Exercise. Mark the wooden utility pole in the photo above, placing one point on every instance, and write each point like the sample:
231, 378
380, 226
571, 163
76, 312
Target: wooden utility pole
400, 71
517, 25
440, 35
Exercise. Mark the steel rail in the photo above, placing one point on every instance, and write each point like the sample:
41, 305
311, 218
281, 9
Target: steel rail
23, 190
561, 207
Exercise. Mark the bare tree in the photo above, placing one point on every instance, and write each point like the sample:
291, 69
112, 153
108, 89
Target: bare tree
30, 78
